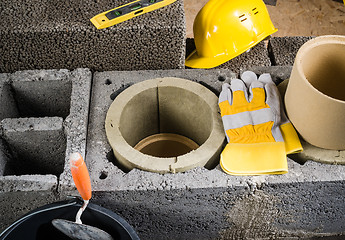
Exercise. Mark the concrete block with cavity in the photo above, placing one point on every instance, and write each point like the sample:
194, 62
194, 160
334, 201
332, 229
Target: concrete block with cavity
207, 203
202, 203
54, 35
43, 121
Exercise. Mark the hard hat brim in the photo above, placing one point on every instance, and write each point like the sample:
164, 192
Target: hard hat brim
196, 61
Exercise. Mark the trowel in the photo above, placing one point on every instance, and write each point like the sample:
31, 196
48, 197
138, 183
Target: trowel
77, 230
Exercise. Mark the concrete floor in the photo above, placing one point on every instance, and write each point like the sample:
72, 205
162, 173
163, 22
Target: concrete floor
291, 17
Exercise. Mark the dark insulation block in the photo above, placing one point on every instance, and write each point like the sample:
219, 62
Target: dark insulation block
48, 34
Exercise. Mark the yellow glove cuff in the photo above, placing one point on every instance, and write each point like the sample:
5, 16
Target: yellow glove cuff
254, 159
292, 143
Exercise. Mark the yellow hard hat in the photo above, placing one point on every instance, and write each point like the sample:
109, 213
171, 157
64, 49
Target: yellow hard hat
223, 29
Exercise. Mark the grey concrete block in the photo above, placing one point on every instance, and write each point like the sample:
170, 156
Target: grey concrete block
283, 50
46, 122
4, 157
201, 203
46, 35
257, 56
207, 203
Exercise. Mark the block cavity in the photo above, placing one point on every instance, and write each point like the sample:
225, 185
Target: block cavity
38, 145
43, 121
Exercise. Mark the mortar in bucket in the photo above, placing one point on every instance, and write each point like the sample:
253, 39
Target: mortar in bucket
36, 225
315, 96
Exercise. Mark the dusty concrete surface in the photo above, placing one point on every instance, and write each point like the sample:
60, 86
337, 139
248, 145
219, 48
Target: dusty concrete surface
52, 35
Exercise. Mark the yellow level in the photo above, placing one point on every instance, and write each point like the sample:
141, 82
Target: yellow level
127, 11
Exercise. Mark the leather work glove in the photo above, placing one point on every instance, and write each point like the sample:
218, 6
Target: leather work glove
251, 114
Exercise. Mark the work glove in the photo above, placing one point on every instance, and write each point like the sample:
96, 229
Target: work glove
251, 113
291, 140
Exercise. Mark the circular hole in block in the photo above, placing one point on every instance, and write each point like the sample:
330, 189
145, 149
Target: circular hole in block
103, 175
108, 82
165, 125
221, 78
166, 145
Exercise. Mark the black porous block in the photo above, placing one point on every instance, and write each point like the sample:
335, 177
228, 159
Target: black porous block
48, 34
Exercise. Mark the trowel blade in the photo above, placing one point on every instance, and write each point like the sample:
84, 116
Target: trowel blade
78, 231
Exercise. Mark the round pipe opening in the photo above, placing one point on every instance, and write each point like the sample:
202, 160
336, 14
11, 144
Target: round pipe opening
166, 145
173, 122
165, 125
323, 67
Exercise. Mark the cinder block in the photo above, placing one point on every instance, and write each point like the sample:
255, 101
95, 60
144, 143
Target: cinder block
46, 35
207, 203
283, 50
43, 121
201, 203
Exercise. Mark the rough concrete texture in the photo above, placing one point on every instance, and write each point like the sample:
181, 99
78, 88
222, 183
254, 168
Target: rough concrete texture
207, 203
283, 50
256, 56
52, 35
44, 121
38, 145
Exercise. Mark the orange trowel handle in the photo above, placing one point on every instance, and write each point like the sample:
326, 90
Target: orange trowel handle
80, 175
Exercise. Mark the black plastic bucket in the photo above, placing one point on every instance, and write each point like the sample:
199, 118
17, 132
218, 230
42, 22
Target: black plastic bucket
36, 225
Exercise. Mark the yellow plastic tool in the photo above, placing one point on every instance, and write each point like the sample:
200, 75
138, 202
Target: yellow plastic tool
127, 11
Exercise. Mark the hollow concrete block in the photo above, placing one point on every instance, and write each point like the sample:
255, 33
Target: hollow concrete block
205, 203
44, 121
201, 203
54, 35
